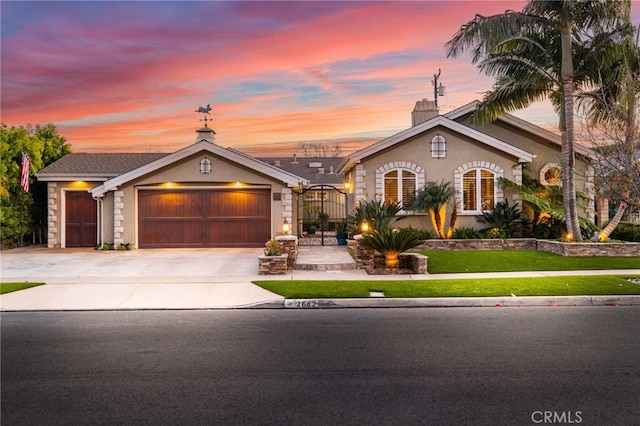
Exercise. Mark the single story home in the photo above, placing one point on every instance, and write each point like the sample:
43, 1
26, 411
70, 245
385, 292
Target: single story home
205, 195
452, 148
200, 196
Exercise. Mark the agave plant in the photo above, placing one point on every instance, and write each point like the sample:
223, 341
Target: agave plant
390, 242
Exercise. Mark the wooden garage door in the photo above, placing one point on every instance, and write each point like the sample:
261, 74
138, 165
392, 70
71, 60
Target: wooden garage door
80, 219
204, 218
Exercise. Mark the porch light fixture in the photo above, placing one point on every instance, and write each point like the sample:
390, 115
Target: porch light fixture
347, 184
285, 227
364, 226
205, 166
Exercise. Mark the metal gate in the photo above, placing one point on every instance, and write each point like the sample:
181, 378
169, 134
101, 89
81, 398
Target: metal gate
322, 214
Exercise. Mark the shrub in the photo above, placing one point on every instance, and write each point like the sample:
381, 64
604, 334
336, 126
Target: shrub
466, 233
503, 220
378, 213
626, 232
426, 234
272, 248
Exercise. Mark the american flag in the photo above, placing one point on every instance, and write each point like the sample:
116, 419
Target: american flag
24, 171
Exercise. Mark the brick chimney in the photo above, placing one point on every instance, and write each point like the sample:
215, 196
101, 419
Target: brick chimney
423, 111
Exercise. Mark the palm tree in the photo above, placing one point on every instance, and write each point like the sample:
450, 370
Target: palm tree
532, 54
434, 198
613, 103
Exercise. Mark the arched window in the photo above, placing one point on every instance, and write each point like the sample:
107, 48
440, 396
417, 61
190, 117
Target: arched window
438, 147
205, 166
400, 187
478, 190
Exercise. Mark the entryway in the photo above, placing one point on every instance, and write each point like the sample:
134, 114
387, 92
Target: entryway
322, 214
80, 218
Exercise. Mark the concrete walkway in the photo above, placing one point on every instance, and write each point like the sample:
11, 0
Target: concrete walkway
86, 279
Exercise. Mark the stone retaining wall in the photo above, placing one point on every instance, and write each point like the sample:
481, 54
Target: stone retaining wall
589, 249
484, 244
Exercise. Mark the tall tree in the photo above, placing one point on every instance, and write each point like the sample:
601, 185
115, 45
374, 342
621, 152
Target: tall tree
20, 210
532, 54
612, 122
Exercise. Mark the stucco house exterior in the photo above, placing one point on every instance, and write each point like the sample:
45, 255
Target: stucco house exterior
205, 195
452, 148
200, 196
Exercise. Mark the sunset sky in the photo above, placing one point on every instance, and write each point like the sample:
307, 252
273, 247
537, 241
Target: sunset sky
128, 76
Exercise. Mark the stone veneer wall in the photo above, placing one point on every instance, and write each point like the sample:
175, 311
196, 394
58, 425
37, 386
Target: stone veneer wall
552, 246
590, 249
272, 265
118, 217
52, 215
289, 246
484, 244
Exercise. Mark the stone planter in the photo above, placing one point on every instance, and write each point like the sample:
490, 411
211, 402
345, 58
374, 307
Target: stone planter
272, 265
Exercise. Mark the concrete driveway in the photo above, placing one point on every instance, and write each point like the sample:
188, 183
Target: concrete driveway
137, 279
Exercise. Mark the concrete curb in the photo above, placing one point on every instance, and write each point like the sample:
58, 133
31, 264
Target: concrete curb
467, 302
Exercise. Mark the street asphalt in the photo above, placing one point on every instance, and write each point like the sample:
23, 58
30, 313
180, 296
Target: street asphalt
86, 279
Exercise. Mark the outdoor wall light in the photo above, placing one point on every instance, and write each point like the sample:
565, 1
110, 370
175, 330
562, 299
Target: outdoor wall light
347, 184
285, 227
364, 226
205, 166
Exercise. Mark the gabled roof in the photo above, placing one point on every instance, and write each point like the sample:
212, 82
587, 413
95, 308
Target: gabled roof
94, 167
289, 179
443, 121
522, 125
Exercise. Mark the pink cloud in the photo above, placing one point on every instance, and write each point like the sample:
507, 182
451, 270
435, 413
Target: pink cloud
129, 76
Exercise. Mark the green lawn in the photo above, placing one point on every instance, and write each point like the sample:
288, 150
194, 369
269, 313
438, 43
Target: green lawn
460, 261
9, 287
543, 286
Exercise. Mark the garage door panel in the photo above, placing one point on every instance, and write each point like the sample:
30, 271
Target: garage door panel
242, 203
158, 204
204, 218
238, 232
172, 233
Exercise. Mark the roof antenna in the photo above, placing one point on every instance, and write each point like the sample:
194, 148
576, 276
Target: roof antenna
437, 90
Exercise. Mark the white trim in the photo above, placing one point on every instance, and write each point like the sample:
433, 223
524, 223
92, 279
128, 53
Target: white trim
63, 215
443, 121
289, 179
458, 174
413, 168
522, 125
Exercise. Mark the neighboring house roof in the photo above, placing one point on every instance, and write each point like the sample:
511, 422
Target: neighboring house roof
95, 167
440, 120
522, 125
203, 145
317, 170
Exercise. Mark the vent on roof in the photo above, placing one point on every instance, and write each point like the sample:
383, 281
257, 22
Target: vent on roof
276, 163
315, 165
295, 159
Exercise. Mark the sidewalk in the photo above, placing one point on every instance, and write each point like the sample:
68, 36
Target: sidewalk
85, 279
